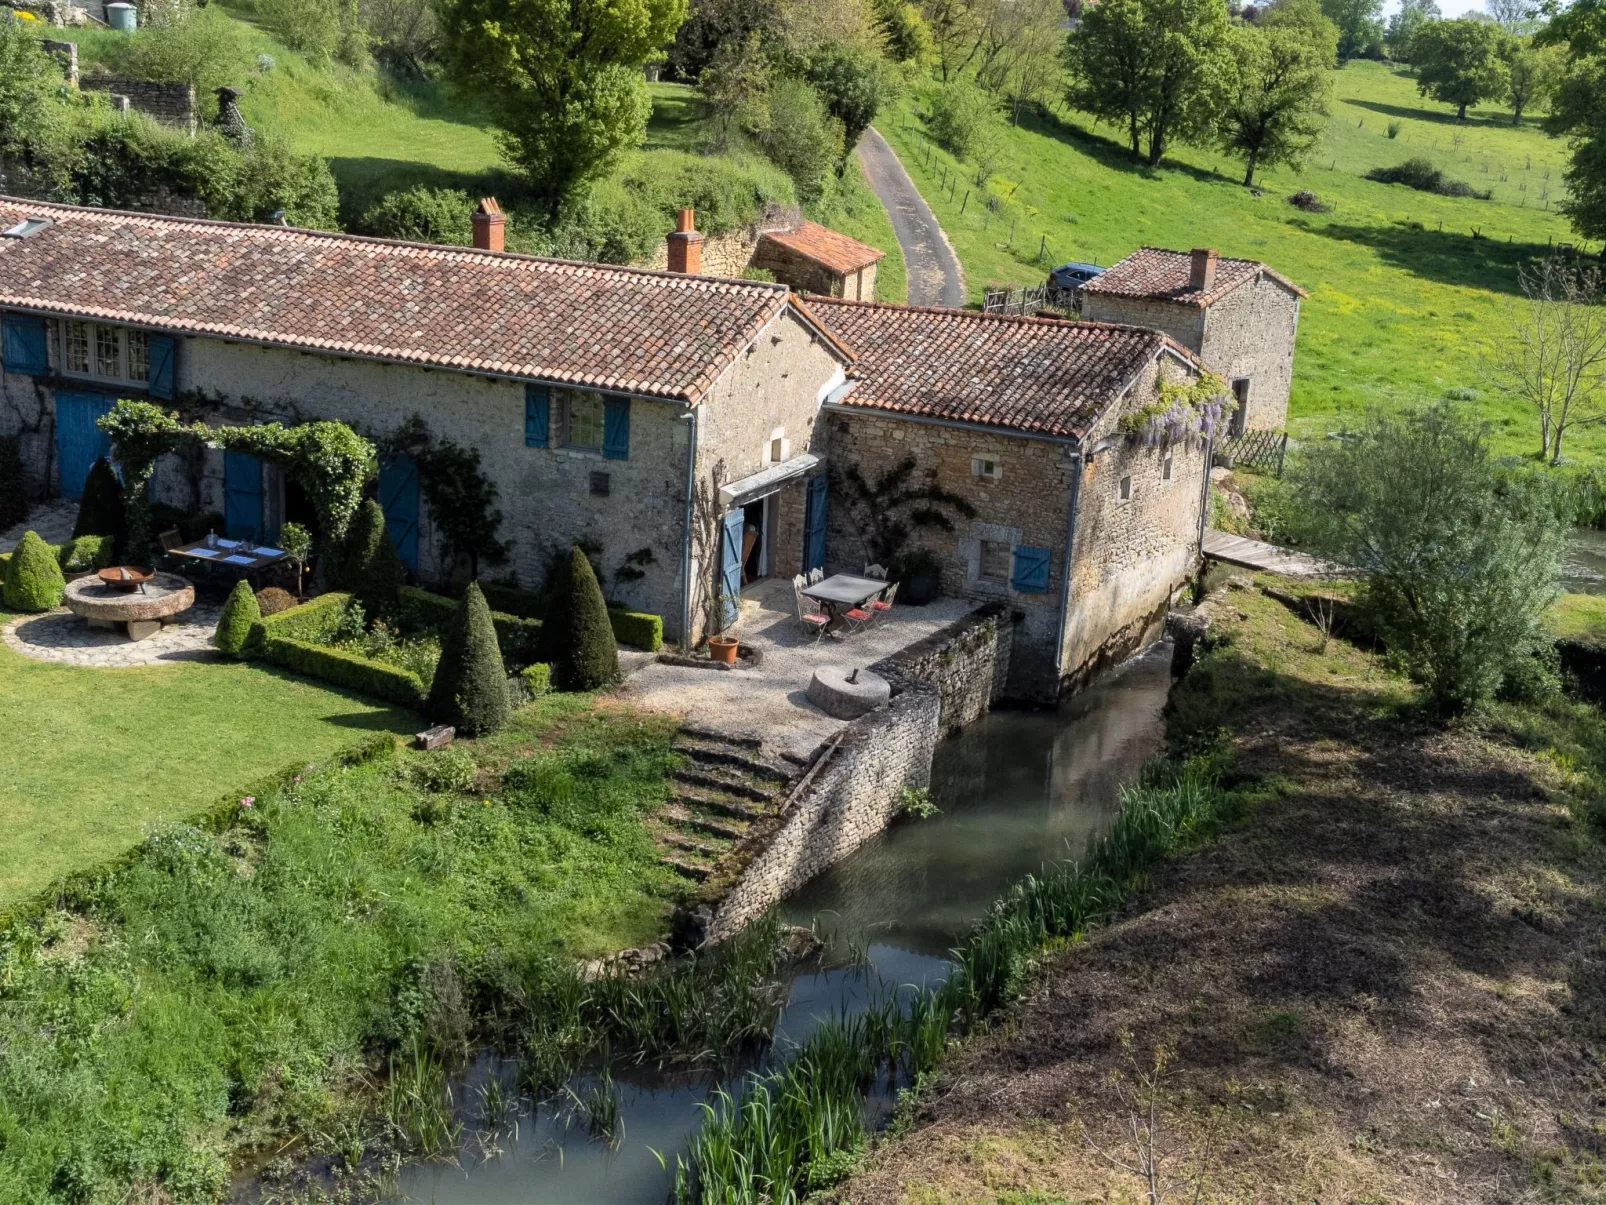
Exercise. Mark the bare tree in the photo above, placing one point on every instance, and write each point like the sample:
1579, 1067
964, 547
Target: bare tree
1553, 353
1143, 1098
1519, 16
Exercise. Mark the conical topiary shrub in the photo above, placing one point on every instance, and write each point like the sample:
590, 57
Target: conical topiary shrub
372, 571
470, 687
33, 578
239, 613
577, 637
100, 510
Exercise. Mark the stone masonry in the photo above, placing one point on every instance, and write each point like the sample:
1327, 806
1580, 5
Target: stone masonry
169, 103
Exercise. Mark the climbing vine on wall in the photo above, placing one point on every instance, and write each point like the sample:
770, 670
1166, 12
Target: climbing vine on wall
460, 497
887, 511
1180, 412
327, 459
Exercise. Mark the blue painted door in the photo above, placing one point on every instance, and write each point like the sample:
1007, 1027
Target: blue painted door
79, 443
242, 496
730, 566
398, 498
814, 526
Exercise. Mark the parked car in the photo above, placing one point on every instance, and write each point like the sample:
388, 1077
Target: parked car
1073, 276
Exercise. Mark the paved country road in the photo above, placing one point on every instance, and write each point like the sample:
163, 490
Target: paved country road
934, 276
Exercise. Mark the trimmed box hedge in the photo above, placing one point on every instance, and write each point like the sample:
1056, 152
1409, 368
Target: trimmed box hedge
638, 628
510, 600
516, 636
517, 615
79, 555
310, 622
341, 668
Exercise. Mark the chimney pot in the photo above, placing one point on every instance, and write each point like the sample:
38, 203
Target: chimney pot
685, 245
1202, 273
489, 225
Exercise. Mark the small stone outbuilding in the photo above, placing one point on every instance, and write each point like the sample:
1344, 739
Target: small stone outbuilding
816, 259
1237, 315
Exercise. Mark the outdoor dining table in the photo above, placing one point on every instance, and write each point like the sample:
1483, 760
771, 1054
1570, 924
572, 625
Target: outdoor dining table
842, 592
239, 555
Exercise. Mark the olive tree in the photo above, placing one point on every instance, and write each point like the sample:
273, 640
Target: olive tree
1457, 564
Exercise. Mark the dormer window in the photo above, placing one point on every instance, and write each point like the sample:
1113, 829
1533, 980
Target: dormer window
104, 353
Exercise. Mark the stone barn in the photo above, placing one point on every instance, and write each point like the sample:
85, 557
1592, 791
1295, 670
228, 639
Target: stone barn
815, 259
1023, 418
1237, 315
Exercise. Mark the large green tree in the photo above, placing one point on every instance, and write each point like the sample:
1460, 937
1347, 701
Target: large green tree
563, 78
28, 76
1578, 110
1153, 66
1532, 74
1359, 22
1403, 26
1461, 62
1275, 107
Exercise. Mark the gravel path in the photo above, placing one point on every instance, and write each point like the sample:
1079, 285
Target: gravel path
935, 277
53, 520
62, 637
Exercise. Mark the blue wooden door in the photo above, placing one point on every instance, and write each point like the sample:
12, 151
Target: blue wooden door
79, 442
730, 566
814, 526
398, 498
242, 496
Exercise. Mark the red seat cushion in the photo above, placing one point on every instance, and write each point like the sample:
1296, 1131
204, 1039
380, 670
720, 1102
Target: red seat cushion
816, 619
857, 614
881, 606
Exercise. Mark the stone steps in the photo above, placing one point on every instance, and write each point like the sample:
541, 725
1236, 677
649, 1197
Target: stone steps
685, 818
695, 871
726, 784
717, 759
723, 805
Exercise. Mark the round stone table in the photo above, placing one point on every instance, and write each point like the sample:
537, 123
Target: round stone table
847, 692
141, 613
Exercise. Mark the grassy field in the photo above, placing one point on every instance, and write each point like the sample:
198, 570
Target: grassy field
1403, 296
94, 758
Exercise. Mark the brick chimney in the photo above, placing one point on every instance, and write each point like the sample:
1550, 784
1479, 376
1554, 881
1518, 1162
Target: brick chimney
1202, 274
489, 225
685, 245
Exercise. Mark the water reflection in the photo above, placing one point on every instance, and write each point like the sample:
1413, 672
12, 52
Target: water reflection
1583, 569
1017, 790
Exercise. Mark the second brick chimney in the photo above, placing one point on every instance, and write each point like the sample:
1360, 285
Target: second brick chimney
685, 244
489, 225
1202, 273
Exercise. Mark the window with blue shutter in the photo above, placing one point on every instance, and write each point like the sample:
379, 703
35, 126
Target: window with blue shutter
537, 416
22, 345
163, 352
616, 428
1031, 569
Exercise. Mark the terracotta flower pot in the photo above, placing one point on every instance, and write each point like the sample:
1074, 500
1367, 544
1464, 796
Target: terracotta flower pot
723, 649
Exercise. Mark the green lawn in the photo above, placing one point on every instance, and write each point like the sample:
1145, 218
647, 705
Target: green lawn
94, 757
1399, 309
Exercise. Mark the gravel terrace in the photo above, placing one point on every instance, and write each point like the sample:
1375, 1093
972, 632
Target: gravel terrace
768, 702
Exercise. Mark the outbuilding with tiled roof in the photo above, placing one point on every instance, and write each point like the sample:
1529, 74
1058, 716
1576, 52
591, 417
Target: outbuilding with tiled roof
816, 259
1240, 316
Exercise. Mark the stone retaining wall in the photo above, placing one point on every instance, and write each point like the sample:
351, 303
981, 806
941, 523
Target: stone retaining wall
852, 790
170, 103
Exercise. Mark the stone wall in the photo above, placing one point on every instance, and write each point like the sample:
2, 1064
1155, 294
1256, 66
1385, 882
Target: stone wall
852, 790
169, 103
805, 275
723, 254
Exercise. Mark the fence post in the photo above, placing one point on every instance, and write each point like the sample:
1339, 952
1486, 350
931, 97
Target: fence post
1042, 248
1012, 222
963, 203
1282, 453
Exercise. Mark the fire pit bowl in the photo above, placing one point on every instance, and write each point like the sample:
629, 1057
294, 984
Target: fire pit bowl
124, 578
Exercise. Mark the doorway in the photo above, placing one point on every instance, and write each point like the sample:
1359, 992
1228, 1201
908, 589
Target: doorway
757, 558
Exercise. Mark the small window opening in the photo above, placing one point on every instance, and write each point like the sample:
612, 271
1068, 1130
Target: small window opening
26, 228
599, 484
985, 466
995, 555
777, 452
1126, 489
1165, 470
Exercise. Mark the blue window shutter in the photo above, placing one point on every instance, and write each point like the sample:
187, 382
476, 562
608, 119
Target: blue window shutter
730, 566
814, 525
1031, 569
537, 416
616, 428
22, 345
163, 351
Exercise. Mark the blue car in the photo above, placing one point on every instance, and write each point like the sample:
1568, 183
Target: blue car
1073, 275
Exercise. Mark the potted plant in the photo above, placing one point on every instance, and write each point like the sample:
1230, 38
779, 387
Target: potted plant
918, 574
721, 645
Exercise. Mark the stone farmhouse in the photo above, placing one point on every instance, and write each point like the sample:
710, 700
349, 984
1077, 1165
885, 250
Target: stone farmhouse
707, 422
1236, 315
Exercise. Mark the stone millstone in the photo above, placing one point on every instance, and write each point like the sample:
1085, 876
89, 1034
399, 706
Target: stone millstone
832, 692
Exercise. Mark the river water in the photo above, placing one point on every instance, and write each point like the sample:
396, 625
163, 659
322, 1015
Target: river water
1583, 568
1016, 789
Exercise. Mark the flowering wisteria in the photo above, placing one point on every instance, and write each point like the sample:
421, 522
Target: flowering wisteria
1182, 420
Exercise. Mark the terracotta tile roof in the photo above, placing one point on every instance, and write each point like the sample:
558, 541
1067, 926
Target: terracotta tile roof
650, 333
826, 247
1156, 272
1041, 375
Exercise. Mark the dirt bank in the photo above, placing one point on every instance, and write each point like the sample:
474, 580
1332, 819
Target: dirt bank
1384, 985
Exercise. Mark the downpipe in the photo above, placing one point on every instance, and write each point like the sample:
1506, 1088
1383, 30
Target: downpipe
685, 551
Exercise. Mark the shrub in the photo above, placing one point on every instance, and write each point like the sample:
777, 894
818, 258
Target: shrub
577, 638
537, 678
340, 667
1421, 175
446, 770
1459, 564
83, 553
33, 578
312, 622
470, 688
100, 510
273, 600
13, 498
637, 628
422, 611
234, 625
422, 215
961, 117
201, 47
373, 572
801, 137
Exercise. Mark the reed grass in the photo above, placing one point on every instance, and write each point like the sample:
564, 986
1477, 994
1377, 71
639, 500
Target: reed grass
418, 1104
791, 1131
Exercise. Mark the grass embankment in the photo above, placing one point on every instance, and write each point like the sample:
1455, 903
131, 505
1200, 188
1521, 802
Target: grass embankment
1384, 986
221, 992
1399, 309
94, 757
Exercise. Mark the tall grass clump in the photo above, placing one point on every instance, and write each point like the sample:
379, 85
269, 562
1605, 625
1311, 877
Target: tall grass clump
796, 1129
